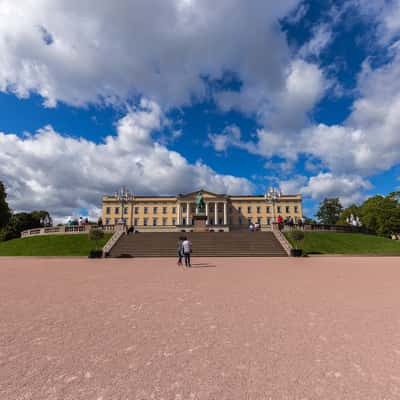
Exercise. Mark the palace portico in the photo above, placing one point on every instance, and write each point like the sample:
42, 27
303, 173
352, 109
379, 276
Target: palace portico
221, 211
216, 209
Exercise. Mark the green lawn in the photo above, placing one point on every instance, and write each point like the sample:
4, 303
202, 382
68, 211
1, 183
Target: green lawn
347, 243
52, 245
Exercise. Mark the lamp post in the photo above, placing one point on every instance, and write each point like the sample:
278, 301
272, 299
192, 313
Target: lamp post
272, 196
124, 196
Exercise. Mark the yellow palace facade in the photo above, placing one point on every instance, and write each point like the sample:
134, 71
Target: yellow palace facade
223, 212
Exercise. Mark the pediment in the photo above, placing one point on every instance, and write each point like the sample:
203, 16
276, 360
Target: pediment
206, 195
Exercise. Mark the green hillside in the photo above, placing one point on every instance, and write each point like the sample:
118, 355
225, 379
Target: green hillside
347, 243
52, 245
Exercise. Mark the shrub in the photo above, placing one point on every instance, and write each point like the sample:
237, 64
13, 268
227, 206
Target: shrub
96, 235
297, 237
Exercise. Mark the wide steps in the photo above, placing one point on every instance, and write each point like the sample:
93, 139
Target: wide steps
205, 244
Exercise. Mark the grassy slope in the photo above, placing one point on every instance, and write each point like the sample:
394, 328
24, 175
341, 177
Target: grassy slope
52, 245
348, 243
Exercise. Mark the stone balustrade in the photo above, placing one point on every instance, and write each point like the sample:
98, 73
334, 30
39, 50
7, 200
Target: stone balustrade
64, 230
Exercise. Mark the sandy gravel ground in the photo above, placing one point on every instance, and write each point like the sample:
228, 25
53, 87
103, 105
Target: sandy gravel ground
316, 328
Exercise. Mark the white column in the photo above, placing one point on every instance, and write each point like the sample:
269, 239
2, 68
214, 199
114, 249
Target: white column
207, 213
187, 213
179, 213
216, 213
225, 215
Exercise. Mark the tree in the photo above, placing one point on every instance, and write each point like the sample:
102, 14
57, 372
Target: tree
96, 235
329, 211
351, 210
5, 212
297, 237
382, 214
22, 221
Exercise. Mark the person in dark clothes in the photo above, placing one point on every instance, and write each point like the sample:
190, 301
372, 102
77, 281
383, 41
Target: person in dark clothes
180, 250
187, 249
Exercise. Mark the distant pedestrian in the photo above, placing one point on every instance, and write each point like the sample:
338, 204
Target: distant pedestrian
187, 249
179, 249
279, 220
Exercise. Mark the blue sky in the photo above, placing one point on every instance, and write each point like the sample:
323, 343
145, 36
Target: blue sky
173, 95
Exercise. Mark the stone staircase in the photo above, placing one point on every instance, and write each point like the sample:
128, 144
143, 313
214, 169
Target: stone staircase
205, 244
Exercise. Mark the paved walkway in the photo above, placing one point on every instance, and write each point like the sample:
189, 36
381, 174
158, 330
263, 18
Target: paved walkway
317, 328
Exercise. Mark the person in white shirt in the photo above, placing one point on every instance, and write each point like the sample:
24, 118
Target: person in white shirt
187, 248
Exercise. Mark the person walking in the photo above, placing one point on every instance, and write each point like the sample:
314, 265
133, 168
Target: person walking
187, 249
180, 250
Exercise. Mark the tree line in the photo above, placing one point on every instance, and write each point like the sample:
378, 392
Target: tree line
12, 224
379, 214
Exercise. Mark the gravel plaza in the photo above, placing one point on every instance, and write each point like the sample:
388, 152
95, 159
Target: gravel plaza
229, 328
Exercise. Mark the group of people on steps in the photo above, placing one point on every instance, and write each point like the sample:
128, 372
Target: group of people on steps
184, 248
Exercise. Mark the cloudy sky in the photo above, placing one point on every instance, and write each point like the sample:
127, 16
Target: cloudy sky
168, 96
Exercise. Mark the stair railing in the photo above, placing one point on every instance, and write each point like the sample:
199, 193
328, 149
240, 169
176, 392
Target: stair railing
119, 232
282, 240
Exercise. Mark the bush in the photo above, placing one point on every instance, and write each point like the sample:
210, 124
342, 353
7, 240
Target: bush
297, 237
96, 254
96, 235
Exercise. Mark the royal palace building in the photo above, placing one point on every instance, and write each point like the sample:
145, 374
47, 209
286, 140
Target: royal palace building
221, 211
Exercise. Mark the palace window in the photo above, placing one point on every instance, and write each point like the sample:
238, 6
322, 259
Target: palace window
268, 210
136, 210
230, 210
164, 221
173, 221
145, 221
174, 210
249, 221
249, 210
230, 220
125, 210
287, 209
259, 219
220, 221
296, 209
240, 221
116, 210
258, 210
211, 221
164, 210
279, 209
145, 210
136, 221
154, 221
268, 220
155, 210
107, 221
108, 210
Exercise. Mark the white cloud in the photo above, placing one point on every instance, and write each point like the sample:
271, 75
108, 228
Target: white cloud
349, 188
51, 171
321, 37
97, 50
368, 142
285, 109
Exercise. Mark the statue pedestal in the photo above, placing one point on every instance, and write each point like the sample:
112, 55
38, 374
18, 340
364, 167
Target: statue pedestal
200, 223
